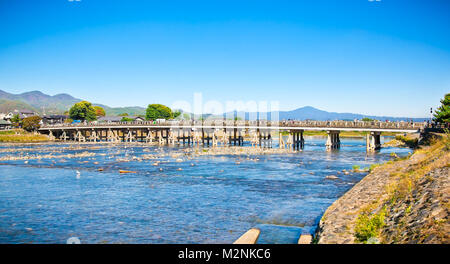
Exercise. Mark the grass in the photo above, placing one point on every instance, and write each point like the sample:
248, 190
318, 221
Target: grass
371, 221
369, 225
373, 166
21, 136
409, 141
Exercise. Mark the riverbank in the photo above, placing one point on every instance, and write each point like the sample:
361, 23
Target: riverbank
402, 201
21, 136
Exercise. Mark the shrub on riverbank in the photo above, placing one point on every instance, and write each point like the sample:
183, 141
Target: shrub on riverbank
21, 136
408, 140
368, 226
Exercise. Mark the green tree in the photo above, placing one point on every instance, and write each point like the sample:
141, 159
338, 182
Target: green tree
31, 123
367, 119
15, 120
82, 111
126, 119
156, 111
123, 114
442, 114
176, 113
99, 111
186, 116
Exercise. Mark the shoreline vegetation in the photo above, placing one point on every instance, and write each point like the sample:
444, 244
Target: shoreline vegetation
402, 201
21, 136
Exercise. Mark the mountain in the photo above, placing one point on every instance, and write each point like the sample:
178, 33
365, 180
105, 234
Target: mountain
11, 105
309, 112
37, 101
56, 104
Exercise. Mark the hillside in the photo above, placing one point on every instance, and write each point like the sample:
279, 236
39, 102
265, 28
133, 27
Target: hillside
11, 105
56, 104
402, 201
37, 101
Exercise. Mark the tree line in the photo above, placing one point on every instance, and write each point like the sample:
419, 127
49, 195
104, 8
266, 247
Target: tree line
85, 111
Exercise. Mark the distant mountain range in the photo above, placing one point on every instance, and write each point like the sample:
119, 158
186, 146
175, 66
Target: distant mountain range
309, 112
57, 104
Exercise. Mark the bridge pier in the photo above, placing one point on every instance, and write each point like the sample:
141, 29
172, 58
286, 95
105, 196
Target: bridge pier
265, 139
373, 141
63, 136
51, 136
130, 137
93, 137
79, 136
236, 138
333, 141
298, 140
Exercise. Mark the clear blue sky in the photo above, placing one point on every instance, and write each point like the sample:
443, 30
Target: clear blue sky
381, 58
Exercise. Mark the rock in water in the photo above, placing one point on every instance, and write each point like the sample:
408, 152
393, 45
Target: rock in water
126, 171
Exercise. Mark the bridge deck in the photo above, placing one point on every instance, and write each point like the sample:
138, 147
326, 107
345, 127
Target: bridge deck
404, 127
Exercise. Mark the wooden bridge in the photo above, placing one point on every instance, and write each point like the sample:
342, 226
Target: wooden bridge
225, 132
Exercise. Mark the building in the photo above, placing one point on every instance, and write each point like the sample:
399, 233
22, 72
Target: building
136, 118
5, 124
109, 119
117, 119
23, 113
53, 119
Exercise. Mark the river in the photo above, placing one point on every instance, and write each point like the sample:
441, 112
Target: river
201, 199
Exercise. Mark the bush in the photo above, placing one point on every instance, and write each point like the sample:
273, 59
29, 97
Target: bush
368, 226
410, 142
447, 139
31, 123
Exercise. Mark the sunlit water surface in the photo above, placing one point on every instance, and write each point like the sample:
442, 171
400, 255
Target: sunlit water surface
214, 201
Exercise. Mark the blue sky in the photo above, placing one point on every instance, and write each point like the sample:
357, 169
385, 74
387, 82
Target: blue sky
380, 58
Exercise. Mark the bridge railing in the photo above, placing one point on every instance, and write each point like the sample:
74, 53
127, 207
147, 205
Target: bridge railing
260, 123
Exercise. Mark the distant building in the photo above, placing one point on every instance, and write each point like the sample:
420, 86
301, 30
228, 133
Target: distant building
5, 124
136, 118
53, 119
6, 116
109, 119
23, 113
116, 119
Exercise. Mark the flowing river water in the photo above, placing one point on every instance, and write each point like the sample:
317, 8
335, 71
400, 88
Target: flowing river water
181, 199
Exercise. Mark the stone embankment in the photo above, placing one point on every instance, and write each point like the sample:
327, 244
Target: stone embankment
404, 201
